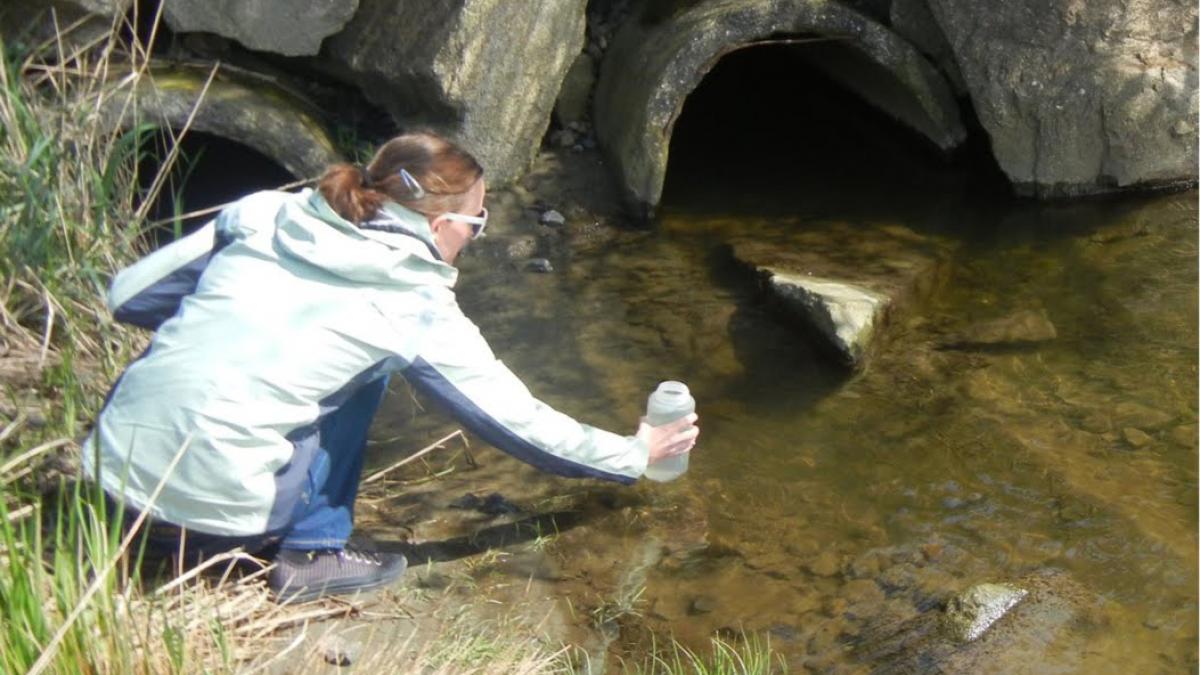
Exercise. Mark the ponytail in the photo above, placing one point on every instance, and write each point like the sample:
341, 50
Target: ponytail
344, 187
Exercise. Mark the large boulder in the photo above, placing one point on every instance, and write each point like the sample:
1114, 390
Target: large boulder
288, 27
76, 22
484, 72
1081, 97
656, 61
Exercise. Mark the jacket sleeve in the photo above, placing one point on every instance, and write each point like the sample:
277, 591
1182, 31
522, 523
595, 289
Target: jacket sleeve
455, 366
149, 291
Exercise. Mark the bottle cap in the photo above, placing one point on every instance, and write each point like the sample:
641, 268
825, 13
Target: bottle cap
673, 387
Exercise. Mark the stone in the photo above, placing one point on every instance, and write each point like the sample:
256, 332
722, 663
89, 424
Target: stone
1080, 97
1026, 327
843, 282
1136, 437
563, 138
970, 613
843, 314
553, 219
1043, 617
571, 108
521, 248
485, 73
1134, 414
539, 265
825, 564
651, 68
287, 27
701, 604
1185, 436
338, 651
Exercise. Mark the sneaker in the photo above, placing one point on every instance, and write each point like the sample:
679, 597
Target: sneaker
300, 576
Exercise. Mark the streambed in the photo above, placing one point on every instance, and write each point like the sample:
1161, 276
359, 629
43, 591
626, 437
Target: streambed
823, 505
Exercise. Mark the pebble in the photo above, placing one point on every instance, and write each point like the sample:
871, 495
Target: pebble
784, 632
539, 265
1136, 437
1134, 414
337, 651
864, 566
553, 219
826, 564
563, 138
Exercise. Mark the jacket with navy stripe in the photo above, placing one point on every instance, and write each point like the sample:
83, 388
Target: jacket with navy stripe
269, 318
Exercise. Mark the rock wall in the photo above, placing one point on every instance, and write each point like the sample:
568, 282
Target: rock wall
1080, 97
1076, 97
288, 27
485, 72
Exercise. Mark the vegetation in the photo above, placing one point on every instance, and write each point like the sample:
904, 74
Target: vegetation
73, 594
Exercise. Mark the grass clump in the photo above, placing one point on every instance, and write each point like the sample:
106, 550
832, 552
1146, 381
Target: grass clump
748, 656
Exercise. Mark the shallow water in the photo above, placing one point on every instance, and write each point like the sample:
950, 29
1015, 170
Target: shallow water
821, 504
828, 511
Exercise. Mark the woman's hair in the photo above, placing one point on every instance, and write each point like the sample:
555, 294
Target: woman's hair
443, 173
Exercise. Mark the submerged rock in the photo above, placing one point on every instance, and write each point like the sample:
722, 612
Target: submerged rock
842, 282
1041, 618
843, 314
972, 612
1024, 328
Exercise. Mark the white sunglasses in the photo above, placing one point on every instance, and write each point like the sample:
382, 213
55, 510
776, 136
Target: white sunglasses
478, 223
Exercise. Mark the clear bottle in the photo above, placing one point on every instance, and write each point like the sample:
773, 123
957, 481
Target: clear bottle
668, 403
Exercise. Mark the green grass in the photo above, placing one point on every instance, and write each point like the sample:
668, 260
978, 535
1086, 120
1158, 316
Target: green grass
748, 656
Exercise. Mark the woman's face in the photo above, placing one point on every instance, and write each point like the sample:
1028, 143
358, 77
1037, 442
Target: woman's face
451, 236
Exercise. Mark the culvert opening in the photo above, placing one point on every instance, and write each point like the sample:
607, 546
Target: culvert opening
210, 171
768, 128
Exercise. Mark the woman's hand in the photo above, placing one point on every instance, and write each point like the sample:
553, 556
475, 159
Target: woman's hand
670, 439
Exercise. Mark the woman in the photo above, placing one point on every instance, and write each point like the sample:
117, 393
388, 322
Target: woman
277, 327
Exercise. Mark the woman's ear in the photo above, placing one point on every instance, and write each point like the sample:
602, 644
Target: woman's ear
436, 224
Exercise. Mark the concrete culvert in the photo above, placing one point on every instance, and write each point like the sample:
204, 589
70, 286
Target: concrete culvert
209, 171
770, 131
251, 113
652, 68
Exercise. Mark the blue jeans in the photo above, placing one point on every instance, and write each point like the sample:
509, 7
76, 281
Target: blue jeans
323, 519
326, 520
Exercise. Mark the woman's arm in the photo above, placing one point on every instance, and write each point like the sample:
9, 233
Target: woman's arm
455, 366
149, 291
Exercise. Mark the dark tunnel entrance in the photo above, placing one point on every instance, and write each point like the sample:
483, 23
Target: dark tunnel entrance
210, 171
767, 131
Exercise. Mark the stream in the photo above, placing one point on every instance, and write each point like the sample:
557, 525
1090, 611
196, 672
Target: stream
827, 511
822, 504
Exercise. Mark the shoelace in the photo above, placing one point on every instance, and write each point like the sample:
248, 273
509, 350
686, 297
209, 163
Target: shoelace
359, 555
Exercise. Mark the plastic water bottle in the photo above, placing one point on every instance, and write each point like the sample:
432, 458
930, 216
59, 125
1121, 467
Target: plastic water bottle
666, 404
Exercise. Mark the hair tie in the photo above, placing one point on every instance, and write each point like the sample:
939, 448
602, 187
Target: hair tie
412, 184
